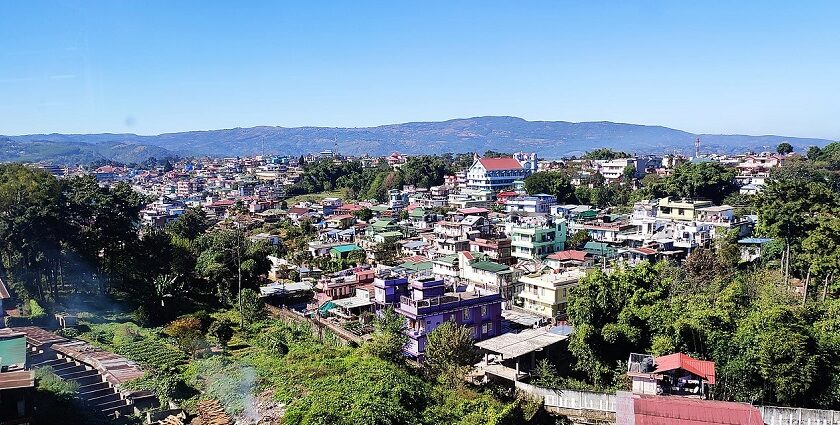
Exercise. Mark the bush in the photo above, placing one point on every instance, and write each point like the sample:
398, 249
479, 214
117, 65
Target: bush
222, 330
68, 332
36, 312
253, 308
187, 333
50, 382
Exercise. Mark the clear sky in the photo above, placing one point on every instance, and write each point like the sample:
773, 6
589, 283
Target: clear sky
754, 67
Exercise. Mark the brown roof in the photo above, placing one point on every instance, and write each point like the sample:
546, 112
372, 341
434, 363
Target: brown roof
38, 337
17, 379
667, 410
114, 368
569, 254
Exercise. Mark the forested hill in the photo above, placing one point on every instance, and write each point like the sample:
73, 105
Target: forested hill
549, 138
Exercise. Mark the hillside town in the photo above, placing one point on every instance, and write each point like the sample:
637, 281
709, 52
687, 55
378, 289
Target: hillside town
490, 245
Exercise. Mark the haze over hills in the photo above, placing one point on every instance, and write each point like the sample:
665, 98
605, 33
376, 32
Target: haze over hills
551, 139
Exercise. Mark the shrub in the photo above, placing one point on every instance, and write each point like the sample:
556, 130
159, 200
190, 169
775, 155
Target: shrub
187, 333
222, 330
253, 308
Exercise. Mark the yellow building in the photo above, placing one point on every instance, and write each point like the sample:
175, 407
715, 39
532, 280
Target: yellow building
546, 293
680, 209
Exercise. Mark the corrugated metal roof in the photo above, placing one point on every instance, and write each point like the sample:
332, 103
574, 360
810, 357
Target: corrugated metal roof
670, 410
17, 379
702, 368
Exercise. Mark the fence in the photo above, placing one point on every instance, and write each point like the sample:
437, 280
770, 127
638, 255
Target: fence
606, 403
796, 416
570, 399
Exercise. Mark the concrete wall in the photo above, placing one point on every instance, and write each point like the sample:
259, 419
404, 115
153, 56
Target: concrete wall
570, 399
793, 416
597, 407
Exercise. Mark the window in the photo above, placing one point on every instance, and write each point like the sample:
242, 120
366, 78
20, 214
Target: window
486, 328
466, 316
484, 311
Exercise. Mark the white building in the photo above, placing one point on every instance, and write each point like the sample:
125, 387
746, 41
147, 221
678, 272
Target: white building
536, 204
495, 174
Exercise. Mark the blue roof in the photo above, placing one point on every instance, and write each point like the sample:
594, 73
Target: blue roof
755, 241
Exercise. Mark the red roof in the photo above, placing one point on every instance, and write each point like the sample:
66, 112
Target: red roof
507, 194
414, 259
222, 203
468, 255
645, 251
569, 254
491, 164
670, 410
298, 210
469, 211
702, 368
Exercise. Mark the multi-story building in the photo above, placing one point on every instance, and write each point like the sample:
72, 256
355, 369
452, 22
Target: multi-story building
546, 293
428, 304
534, 204
495, 174
490, 275
534, 240
498, 250
680, 209
452, 236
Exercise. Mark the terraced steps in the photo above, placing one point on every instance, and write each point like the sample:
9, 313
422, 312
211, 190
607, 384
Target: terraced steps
94, 391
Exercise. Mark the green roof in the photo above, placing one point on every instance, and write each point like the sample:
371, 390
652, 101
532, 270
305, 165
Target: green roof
449, 259
417, 212
598, 247
587, 213
379, 208
489, 266
391, 234
13, 350
418, 267
380, 224
346, 248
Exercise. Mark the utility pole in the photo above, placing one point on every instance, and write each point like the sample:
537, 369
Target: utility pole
239, 271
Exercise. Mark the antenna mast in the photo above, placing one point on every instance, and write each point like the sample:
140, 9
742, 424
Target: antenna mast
697, 148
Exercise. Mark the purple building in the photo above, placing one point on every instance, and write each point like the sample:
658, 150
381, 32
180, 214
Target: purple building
427, 304
388, 287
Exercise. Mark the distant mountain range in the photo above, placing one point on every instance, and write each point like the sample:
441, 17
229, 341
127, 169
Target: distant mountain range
550, 139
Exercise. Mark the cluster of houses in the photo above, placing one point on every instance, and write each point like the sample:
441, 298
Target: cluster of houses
477, 249
480, 251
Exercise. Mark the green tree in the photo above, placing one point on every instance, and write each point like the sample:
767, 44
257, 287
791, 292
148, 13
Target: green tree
191, 224
578, 239
388, 337
550, 182
450, 352
364, 214
612, 315
186, 332
784, 148
222, 330
605, 154
545, 375
253, 307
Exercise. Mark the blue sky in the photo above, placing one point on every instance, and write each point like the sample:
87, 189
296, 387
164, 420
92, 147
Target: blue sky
160, 66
